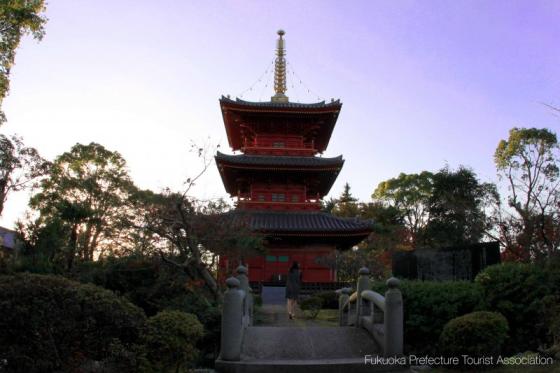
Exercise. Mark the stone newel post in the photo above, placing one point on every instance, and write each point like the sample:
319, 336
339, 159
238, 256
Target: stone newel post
232, 321
393, 319
244, 285
342, 299
363, 284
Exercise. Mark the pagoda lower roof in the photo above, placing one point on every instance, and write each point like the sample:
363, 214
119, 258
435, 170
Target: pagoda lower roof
305, 222
288, 162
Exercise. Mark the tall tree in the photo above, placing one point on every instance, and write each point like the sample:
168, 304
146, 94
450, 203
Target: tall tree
20, 167
457, 208
193, 233
87, 189
346, 205
528, 163
389, 231
190, 233
17, 18
409, 194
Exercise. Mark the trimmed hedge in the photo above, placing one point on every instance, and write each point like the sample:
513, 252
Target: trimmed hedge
517, 291
170, 338
429, 305
477, 334
50, 323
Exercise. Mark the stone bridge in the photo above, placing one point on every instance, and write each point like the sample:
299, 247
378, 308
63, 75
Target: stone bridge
370, 324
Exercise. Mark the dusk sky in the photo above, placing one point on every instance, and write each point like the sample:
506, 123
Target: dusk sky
423, 83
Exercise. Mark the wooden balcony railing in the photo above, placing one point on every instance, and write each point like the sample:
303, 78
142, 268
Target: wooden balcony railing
267, 205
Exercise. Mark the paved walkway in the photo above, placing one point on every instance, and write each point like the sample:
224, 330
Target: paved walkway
274, 311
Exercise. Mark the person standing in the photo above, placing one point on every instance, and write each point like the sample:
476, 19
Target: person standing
293, 285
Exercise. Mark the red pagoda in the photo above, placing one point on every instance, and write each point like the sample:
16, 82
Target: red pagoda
279, 181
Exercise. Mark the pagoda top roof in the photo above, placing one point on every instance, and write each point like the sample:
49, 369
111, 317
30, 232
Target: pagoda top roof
282, 106
316, 120
280, 161
278, 222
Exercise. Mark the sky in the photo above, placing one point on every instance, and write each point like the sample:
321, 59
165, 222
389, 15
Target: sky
424, 84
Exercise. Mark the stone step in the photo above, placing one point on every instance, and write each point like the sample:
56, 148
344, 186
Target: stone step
307, 343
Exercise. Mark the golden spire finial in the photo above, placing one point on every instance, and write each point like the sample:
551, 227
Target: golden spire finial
280, 70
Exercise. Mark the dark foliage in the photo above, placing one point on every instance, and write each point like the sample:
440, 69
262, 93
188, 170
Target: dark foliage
329, 298
156, 286
170, 338
50, 323
429, 305
517, 291
456, 208
477, 334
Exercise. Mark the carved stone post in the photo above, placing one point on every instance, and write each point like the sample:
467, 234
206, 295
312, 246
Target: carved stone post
244, 285
232, 321
342, 299
394, 328
363, 284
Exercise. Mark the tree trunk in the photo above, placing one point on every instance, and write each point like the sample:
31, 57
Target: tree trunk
73, 243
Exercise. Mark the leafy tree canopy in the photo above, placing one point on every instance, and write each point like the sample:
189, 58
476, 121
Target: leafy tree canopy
409, 193
17, 18
20, 167
86, 195
528, 162
457, 208
345, 206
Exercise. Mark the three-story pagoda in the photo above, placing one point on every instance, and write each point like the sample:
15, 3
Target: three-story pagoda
279, 180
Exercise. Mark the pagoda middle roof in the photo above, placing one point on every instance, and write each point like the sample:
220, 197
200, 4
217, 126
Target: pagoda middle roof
280, 161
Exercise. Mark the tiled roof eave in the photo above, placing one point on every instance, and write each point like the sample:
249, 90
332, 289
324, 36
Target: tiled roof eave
305, 223
273, 161
285, 168
314, 233
316, 107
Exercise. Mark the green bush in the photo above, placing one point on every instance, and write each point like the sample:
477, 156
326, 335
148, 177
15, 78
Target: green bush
477, 334
257, 300
311, 306
517, 291
50, 323
170, 338
155, 286
429, 305
330, 299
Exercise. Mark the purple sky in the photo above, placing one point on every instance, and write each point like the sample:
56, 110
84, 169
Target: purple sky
423, 82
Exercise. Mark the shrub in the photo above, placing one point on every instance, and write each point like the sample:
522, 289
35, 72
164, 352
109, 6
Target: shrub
429, 305
311, 306
170, 338
552, 314
330, 299
155, 287
50, 323
516, 291
477, 334
257, 300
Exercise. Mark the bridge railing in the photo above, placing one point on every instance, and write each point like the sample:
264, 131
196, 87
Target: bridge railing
381, 316
237, 315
